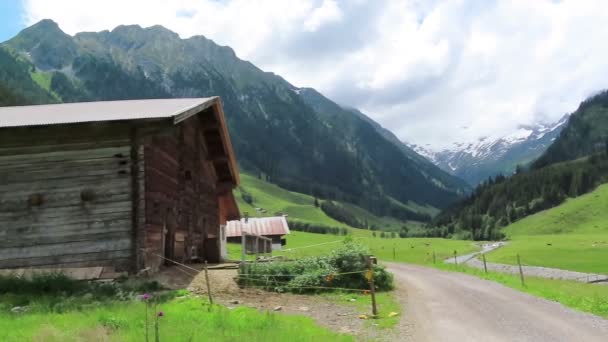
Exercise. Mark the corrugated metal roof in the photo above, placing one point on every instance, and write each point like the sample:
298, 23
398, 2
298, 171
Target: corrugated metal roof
258, 226
82, 112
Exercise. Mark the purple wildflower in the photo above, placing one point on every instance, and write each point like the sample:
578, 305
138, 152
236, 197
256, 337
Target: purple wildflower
146, 296
161, 314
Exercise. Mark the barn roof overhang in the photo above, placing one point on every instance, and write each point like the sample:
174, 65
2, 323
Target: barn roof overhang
210, 110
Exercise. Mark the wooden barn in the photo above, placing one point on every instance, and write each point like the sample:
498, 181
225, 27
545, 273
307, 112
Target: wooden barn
118, 184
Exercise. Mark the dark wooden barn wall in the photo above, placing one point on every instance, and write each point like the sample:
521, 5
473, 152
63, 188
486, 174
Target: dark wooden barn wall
182, 210
65, 197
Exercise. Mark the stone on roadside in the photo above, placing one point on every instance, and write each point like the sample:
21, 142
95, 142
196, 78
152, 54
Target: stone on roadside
19, 309
278, 308
304, 308
235, 301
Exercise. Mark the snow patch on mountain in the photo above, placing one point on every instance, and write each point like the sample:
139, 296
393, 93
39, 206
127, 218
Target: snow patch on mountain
490, 155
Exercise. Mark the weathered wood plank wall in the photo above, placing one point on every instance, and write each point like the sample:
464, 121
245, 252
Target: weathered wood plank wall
182, 213
65, 197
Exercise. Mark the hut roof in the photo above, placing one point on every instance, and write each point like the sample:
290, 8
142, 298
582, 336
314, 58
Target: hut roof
258, 226
80, 112
176, 110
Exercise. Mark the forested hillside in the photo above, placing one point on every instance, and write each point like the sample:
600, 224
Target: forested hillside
502, 201
16, 85
586, 133
277, 134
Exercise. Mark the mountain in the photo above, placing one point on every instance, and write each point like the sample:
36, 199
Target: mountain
488, 157
16, 84
574, 164
586, 133
278, 132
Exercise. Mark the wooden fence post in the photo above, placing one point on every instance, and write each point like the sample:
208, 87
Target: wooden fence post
485, 266
455, 260
521, 272
372, 288
208, 286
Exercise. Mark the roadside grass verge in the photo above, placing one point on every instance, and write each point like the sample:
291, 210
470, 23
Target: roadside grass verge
580, 296
185, 319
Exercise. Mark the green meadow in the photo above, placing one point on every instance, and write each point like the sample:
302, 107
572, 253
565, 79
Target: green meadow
409, 250
185, 319
572, 236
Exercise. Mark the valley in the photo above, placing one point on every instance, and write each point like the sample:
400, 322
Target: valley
367, 208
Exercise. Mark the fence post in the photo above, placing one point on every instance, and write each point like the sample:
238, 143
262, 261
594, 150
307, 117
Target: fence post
372, 288
208, 286
455, 260
521, 272
394, 254
485, 266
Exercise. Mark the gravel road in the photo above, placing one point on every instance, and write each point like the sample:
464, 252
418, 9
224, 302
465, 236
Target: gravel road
448, 306
535, 271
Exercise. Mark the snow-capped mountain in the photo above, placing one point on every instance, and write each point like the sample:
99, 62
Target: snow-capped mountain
489, 156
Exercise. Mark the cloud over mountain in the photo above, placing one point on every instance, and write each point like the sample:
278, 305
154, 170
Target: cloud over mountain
424, 69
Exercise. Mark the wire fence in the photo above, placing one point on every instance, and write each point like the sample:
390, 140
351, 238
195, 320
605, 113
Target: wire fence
282, 285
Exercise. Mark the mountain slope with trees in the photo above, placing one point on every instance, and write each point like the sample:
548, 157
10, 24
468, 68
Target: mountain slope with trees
575, 164
586, 133
277, 135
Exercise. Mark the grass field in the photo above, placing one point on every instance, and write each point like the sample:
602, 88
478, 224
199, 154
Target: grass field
580, 296
572, 236
410, 250
300, 207
185, 319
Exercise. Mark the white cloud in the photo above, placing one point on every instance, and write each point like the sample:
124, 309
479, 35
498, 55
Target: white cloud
328, 12
424, 69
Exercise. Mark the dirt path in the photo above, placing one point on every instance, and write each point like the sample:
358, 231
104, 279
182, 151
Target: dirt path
336, 316
446, 306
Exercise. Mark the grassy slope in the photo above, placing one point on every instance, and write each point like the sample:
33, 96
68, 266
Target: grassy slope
185, 320
301, 207
572, 236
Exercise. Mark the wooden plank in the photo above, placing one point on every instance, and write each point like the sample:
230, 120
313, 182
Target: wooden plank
79, 247
61, 155
52, 201
60, 215
84, 259
54, 239
65, 184
68, 232
21, 149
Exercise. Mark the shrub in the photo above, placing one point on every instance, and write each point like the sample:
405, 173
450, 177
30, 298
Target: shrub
343, 268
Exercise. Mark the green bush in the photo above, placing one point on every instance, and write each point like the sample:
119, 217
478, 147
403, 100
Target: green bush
344, 268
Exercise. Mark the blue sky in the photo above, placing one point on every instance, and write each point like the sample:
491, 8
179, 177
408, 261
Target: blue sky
11, 18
